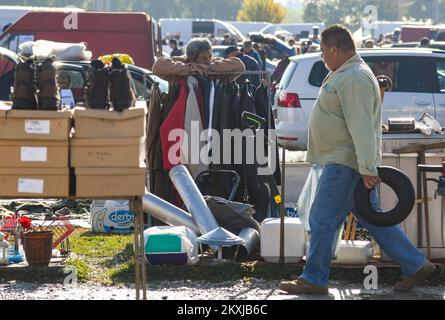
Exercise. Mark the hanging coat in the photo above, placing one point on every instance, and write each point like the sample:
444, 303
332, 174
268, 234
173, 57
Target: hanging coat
263, 109
193, 121
159, 108
257, 191
171, 150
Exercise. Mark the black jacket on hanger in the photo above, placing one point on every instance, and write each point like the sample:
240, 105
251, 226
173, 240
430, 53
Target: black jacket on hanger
264, 110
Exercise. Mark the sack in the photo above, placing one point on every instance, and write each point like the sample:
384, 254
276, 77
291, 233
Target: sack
170, 245
42, 49
232, 216
307, 195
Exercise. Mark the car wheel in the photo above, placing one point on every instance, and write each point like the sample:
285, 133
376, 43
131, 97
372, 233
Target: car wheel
402, 187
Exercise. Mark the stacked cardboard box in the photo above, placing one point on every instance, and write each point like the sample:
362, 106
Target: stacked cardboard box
108, 152
34, 152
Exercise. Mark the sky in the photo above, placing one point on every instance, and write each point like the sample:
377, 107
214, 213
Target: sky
298, 4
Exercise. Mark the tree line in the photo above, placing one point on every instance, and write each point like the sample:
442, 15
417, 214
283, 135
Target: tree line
348, 12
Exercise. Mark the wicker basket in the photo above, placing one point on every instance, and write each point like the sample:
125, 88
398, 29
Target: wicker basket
38, 248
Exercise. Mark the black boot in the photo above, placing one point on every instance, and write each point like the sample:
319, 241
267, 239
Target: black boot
24, 96
97, 89
48, 94
122, 92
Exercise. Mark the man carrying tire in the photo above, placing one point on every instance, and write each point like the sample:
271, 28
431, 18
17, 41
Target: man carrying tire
345, 138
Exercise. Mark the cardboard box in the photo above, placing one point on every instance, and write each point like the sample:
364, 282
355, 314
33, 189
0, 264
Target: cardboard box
34, 154
35, 125
33, 182
91, 123
107, 153
110, 182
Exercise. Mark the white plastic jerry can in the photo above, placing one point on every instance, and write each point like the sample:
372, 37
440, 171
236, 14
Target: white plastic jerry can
294, 240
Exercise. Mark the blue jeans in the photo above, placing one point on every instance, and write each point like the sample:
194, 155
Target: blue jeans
333, 201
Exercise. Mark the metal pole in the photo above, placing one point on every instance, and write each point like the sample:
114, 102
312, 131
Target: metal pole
282, 208
138, 208
136, 248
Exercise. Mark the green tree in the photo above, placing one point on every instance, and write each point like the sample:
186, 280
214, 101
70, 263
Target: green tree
311, 12
261, 10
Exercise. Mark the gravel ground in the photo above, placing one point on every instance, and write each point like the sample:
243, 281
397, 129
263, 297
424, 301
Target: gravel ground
186, 290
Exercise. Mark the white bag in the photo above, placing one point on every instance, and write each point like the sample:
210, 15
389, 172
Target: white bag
42, 49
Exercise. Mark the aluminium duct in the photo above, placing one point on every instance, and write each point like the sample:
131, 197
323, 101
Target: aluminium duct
193, 199
251, 239
168, 213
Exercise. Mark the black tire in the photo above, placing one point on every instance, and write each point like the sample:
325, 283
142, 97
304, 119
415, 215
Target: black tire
403, 189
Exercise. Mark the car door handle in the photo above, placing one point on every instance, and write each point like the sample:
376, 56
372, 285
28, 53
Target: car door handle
423, 103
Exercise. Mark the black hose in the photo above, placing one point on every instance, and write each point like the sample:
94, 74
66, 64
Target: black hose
402, 187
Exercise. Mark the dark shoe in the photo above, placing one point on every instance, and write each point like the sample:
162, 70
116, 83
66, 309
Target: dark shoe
416, 279
24, 96
98, 82
301, 286
48, 93
121, 90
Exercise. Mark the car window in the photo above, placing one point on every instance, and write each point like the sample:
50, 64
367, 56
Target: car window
288, 74
76, 79
440, 69
139, 85
318, 74
409, 74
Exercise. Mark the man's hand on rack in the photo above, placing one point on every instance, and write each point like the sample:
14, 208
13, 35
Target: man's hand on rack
371, 181
202, 69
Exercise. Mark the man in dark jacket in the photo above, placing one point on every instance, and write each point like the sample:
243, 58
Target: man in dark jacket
176, 52
249, 62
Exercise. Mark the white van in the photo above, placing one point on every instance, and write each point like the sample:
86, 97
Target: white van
188, 28
303, 30
245, 27
10, 14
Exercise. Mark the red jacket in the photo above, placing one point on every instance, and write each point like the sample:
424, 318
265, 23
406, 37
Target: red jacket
174, 120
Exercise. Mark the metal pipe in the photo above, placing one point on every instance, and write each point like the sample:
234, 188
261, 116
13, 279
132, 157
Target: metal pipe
193, 199
168, 213
251, 239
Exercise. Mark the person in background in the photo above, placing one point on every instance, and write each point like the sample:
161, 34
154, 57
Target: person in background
396, 35
279, 70
176, 52
248, 49
249, 63
424, 43
198, 60
66, 94
369, 44
227, 41
381, 40
306, 47
262, 54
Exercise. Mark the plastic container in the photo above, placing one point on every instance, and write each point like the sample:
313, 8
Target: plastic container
38, 248
111, 216
294, 240
354, 252
170, 245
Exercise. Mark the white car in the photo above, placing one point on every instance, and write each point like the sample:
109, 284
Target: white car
418, 86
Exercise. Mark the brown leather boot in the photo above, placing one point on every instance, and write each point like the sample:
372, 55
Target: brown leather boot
122, 92
301, 286
48, 94
98, 83
414, 280
24, 96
